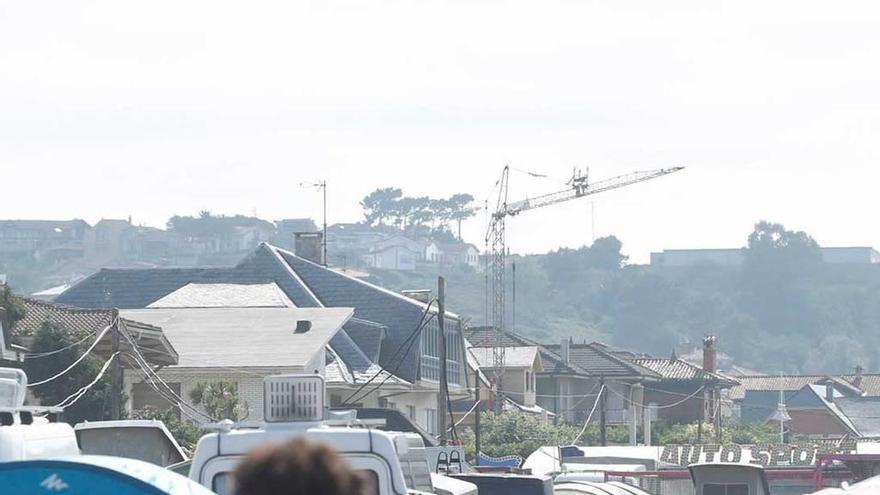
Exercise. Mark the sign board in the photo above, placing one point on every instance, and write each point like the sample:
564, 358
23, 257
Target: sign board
768, 455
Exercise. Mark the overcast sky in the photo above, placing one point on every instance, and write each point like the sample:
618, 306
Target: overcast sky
117, 108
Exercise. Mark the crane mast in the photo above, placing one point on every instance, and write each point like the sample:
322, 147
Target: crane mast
580, 186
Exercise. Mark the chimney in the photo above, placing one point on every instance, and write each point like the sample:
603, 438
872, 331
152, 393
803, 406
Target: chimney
420, 295
709, 353
309, 245
565, 350
857, 380
829, 392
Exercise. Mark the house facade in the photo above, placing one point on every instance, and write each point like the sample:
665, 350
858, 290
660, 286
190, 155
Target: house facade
241, 345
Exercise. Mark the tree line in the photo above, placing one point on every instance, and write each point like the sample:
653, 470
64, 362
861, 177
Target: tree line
388, 206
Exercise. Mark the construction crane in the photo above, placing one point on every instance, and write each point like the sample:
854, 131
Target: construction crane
580, 186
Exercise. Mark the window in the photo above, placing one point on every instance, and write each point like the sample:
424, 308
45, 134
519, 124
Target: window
430, 344
143, 395
431, 421
411, 412
528, 381
725, 489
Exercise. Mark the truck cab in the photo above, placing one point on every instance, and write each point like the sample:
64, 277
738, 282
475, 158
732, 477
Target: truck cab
294, 408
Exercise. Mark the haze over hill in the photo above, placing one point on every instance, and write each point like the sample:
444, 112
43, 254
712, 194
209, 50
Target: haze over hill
782, 310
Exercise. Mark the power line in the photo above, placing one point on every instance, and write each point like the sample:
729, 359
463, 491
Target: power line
590, 416
86, 353
409, 339
82, 391
37, 355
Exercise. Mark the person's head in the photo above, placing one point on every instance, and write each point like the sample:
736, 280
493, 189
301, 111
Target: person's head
296, 467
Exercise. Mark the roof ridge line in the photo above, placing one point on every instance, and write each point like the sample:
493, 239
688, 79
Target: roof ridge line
362, 282
274, 251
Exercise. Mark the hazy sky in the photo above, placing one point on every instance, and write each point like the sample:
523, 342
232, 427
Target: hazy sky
117, 108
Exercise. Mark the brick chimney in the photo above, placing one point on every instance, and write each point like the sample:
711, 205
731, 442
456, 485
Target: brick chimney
309, 245
709, 353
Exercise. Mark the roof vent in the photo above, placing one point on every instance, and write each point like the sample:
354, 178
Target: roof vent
293, 398
303, 326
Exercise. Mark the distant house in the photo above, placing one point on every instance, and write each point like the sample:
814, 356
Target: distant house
861, 255
754, 399
568, 382
393, 253
432, 252
352, 237
521, 367
46, 240
459, 254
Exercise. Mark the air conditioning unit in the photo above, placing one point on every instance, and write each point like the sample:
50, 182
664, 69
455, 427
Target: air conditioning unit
293, 398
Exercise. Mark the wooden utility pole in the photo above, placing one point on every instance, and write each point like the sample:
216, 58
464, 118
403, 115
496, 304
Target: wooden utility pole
443, 396
603, 433
477, 432
116, 368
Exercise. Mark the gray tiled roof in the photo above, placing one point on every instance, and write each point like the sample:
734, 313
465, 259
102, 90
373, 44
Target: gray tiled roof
598, 361
514, 357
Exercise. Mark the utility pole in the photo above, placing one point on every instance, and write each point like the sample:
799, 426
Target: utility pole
603, 433
443, 397
477, 417
116, 368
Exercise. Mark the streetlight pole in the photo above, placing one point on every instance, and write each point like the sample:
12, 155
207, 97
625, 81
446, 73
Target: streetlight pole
324, 235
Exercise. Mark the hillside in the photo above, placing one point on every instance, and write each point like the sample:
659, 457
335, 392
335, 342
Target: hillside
783, 310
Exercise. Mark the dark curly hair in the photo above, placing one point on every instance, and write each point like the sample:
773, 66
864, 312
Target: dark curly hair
296, 467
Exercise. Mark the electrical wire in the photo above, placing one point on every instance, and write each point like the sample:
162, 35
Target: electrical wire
172, 399
82, 391
665, 406
590, 416
37, 355
409, 339
392, 372
466, 415
78, 360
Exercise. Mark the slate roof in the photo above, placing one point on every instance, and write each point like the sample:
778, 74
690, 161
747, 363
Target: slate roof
223, 337
598, 361
866, 384
682, 371
863, 413
400, 314
367, 335
306, 284
75, 320
353, 367
195, 295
